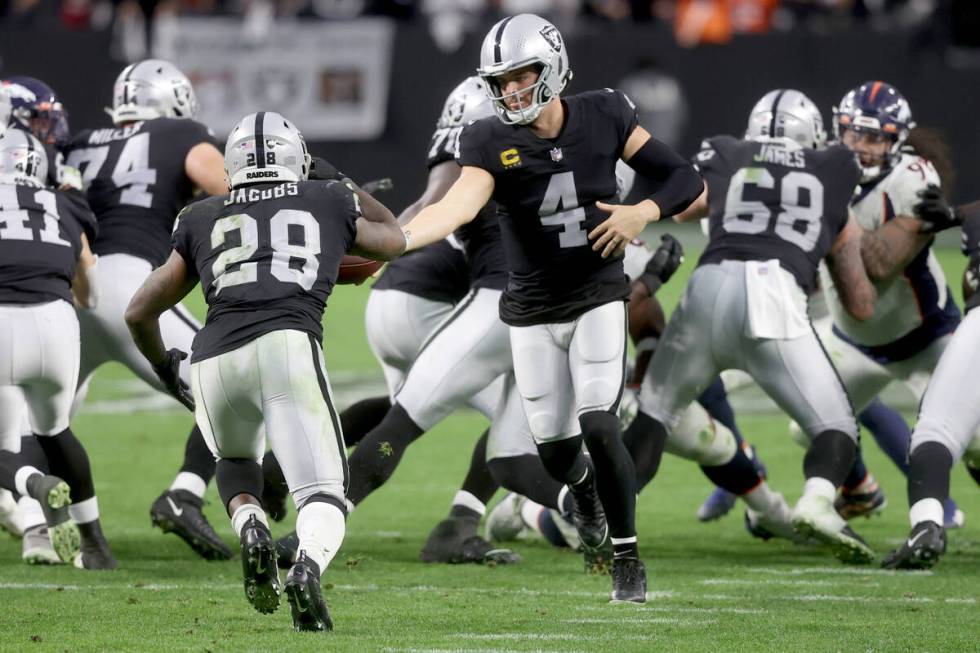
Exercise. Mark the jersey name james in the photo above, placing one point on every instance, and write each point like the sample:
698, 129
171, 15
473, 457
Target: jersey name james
40, 241
267, 257
546, 191
772, 199
136, 182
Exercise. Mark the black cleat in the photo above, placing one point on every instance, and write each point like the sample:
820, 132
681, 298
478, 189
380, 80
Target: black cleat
926, 543
95, 554
629, 580
449, 543
286, 548
310, 613
179, 512
589, 518
259, 571
54, 496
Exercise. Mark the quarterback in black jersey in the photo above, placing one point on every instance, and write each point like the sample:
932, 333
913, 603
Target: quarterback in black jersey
138, 175
267, 257
777, 204
549, 163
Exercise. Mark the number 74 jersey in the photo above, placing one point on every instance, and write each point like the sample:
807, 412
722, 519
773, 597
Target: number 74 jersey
267, 257
773, 199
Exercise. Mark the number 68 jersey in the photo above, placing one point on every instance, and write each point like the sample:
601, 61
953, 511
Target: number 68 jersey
267, 257
773, 199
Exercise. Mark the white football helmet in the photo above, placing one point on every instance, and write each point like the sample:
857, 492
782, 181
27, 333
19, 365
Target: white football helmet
22, 159
514, 43
4, 111
150, 89
467, 102
787, 113
265, 147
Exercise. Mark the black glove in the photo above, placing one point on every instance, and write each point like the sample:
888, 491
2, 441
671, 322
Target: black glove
934, 211
663, 265
377, 186
169, 374
323, 170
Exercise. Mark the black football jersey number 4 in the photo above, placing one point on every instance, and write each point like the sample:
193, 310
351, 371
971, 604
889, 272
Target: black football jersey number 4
546, 191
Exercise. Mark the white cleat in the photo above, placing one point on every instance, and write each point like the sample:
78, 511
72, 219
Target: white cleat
504, 523
36, 547
776, 522
814, 516
9, 515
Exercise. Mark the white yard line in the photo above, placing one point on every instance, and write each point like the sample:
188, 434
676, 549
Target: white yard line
787, 582
470, 650
836, 571
669, 621
676, 608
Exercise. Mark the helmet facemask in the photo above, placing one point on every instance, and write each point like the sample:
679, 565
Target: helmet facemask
540, 94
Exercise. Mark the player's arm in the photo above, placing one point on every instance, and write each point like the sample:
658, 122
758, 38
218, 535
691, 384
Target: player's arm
846, 265
83, 287
441, 178
461, 203
678, 185
378, 235
697, 210
205, 166
891, 247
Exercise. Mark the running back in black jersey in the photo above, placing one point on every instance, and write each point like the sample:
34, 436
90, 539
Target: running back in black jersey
267, 257
772, 199
546, 191
438, 272
40, 241
136, 182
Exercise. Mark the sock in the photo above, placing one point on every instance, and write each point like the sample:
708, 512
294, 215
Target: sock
320, 527
33, 454
531, 514
20, 479
715, 400
240, 517
926, 510
821, 487
830, 456
189, 482
761, 498
378, 454
858, 473
85, 512
563, 459
624, 547
467, 504
890, 431
479, 482
738, 475
615, 477
68, 460
526, 475
929, 471
31, 514
198, 461
645, 440
361, 417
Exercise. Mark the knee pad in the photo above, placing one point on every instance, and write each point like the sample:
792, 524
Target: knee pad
599, 424
701, 439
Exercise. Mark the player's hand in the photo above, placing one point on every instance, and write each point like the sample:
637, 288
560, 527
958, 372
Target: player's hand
377, 186
664, 263
624, 223
168, 372
934, 211
323, 170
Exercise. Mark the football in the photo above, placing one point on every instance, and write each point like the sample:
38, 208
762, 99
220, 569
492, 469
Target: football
356, 269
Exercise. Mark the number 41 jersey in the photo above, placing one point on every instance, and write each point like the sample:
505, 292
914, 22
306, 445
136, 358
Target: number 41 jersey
267, 256
773, 199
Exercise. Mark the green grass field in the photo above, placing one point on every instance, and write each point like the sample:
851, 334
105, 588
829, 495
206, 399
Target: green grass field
712, 587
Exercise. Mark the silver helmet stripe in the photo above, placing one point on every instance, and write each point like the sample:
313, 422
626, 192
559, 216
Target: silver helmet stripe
498, 38
260, 139
29, 167
775, 109
129, 73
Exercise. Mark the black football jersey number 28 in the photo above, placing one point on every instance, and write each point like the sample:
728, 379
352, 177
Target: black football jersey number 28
774, 200
267, 257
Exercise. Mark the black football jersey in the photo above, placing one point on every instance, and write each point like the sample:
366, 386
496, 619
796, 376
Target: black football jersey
40, 241
267, 256
546, 191
971, 248
771, 199
438, 272
135, 181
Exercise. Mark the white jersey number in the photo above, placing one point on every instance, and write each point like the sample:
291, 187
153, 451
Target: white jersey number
14, 220
561, 194
132, 173
796, 214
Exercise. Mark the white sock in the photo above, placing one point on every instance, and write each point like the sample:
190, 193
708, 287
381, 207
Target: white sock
321, 528
761, 499
84, 512
467, 500
191, 483
30, 511
21, 476
926, 510
531, 515
243, 512
820, 487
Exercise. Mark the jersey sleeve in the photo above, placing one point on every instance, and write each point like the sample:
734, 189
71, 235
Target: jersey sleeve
621, 109
914, 174
442, 145
75, 203
711, 157
472, 144
188, 133
182, 238
346, 206
845, 173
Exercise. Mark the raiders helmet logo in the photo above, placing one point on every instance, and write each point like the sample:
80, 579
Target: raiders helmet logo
551, 35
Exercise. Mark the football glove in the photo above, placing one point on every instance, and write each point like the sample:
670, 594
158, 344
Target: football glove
377, 186
323, 170
169, 374
663, 265
934, 211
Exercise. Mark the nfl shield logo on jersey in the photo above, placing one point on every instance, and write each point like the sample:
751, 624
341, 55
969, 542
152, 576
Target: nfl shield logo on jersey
552, 36
556, 155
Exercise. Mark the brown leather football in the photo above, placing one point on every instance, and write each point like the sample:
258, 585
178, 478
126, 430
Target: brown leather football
356, 270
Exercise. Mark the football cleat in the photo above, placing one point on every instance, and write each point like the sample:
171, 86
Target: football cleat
306, 602
718, 504
36, 547
589, 518
95, 554
179, 512
286, 548
9, 516
766, 527
814, 516
259, 571
863, 501
54, 496
449, 543
629, 581
504, 523
925, 544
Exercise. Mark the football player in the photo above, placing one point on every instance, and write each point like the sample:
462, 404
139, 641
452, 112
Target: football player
550, 164
950, 411
777, 206
44, 262
267, 257
138, 175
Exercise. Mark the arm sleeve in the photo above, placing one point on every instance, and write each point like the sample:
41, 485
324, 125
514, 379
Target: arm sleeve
678, 183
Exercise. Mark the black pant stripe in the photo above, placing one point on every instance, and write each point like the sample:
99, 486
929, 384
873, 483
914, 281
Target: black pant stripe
325, 391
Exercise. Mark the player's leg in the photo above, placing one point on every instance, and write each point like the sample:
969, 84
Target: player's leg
861, 496
948, 418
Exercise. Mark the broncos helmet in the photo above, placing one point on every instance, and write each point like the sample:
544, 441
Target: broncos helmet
787, 113
152, 88
22, 159
35, 106
265, 147
517, 42
879, 109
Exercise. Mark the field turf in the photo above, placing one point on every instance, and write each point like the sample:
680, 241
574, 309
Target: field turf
712, 587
